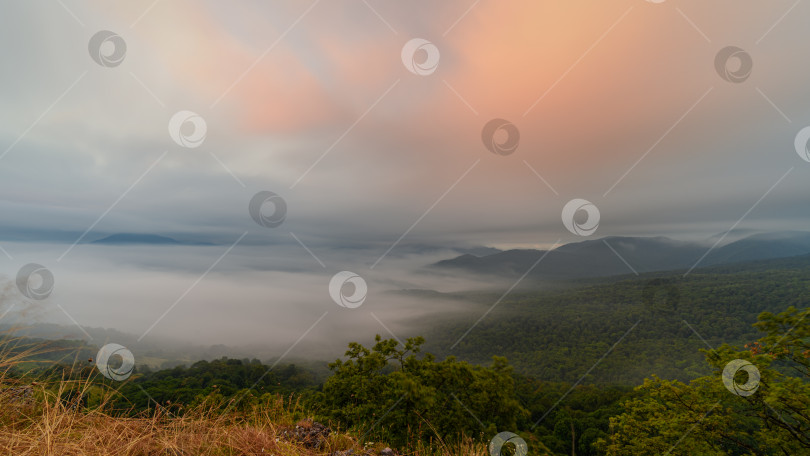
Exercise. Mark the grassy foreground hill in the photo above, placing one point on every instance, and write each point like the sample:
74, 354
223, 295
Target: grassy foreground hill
40, 418
217, 408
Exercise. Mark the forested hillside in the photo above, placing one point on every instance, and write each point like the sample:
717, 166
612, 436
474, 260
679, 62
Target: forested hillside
557, 334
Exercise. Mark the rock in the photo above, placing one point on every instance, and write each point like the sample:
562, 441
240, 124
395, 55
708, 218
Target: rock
309, 433
351, 452
23, 395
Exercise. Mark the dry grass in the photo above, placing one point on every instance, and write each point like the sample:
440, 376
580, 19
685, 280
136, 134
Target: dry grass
44, 424
50, 426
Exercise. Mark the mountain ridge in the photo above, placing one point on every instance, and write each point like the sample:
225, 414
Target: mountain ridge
616, 255
140, 238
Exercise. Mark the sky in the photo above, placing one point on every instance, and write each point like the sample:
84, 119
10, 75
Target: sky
621, 104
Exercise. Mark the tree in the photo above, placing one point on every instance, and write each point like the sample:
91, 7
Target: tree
393, 392
705, 417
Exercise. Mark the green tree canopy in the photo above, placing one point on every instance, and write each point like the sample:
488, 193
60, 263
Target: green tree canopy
705, 417
391, 390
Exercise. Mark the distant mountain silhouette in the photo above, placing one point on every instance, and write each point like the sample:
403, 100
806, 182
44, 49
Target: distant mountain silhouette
762, 246
596, 258
132, 238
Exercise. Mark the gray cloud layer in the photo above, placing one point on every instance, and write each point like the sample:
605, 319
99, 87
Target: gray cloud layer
65, 166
